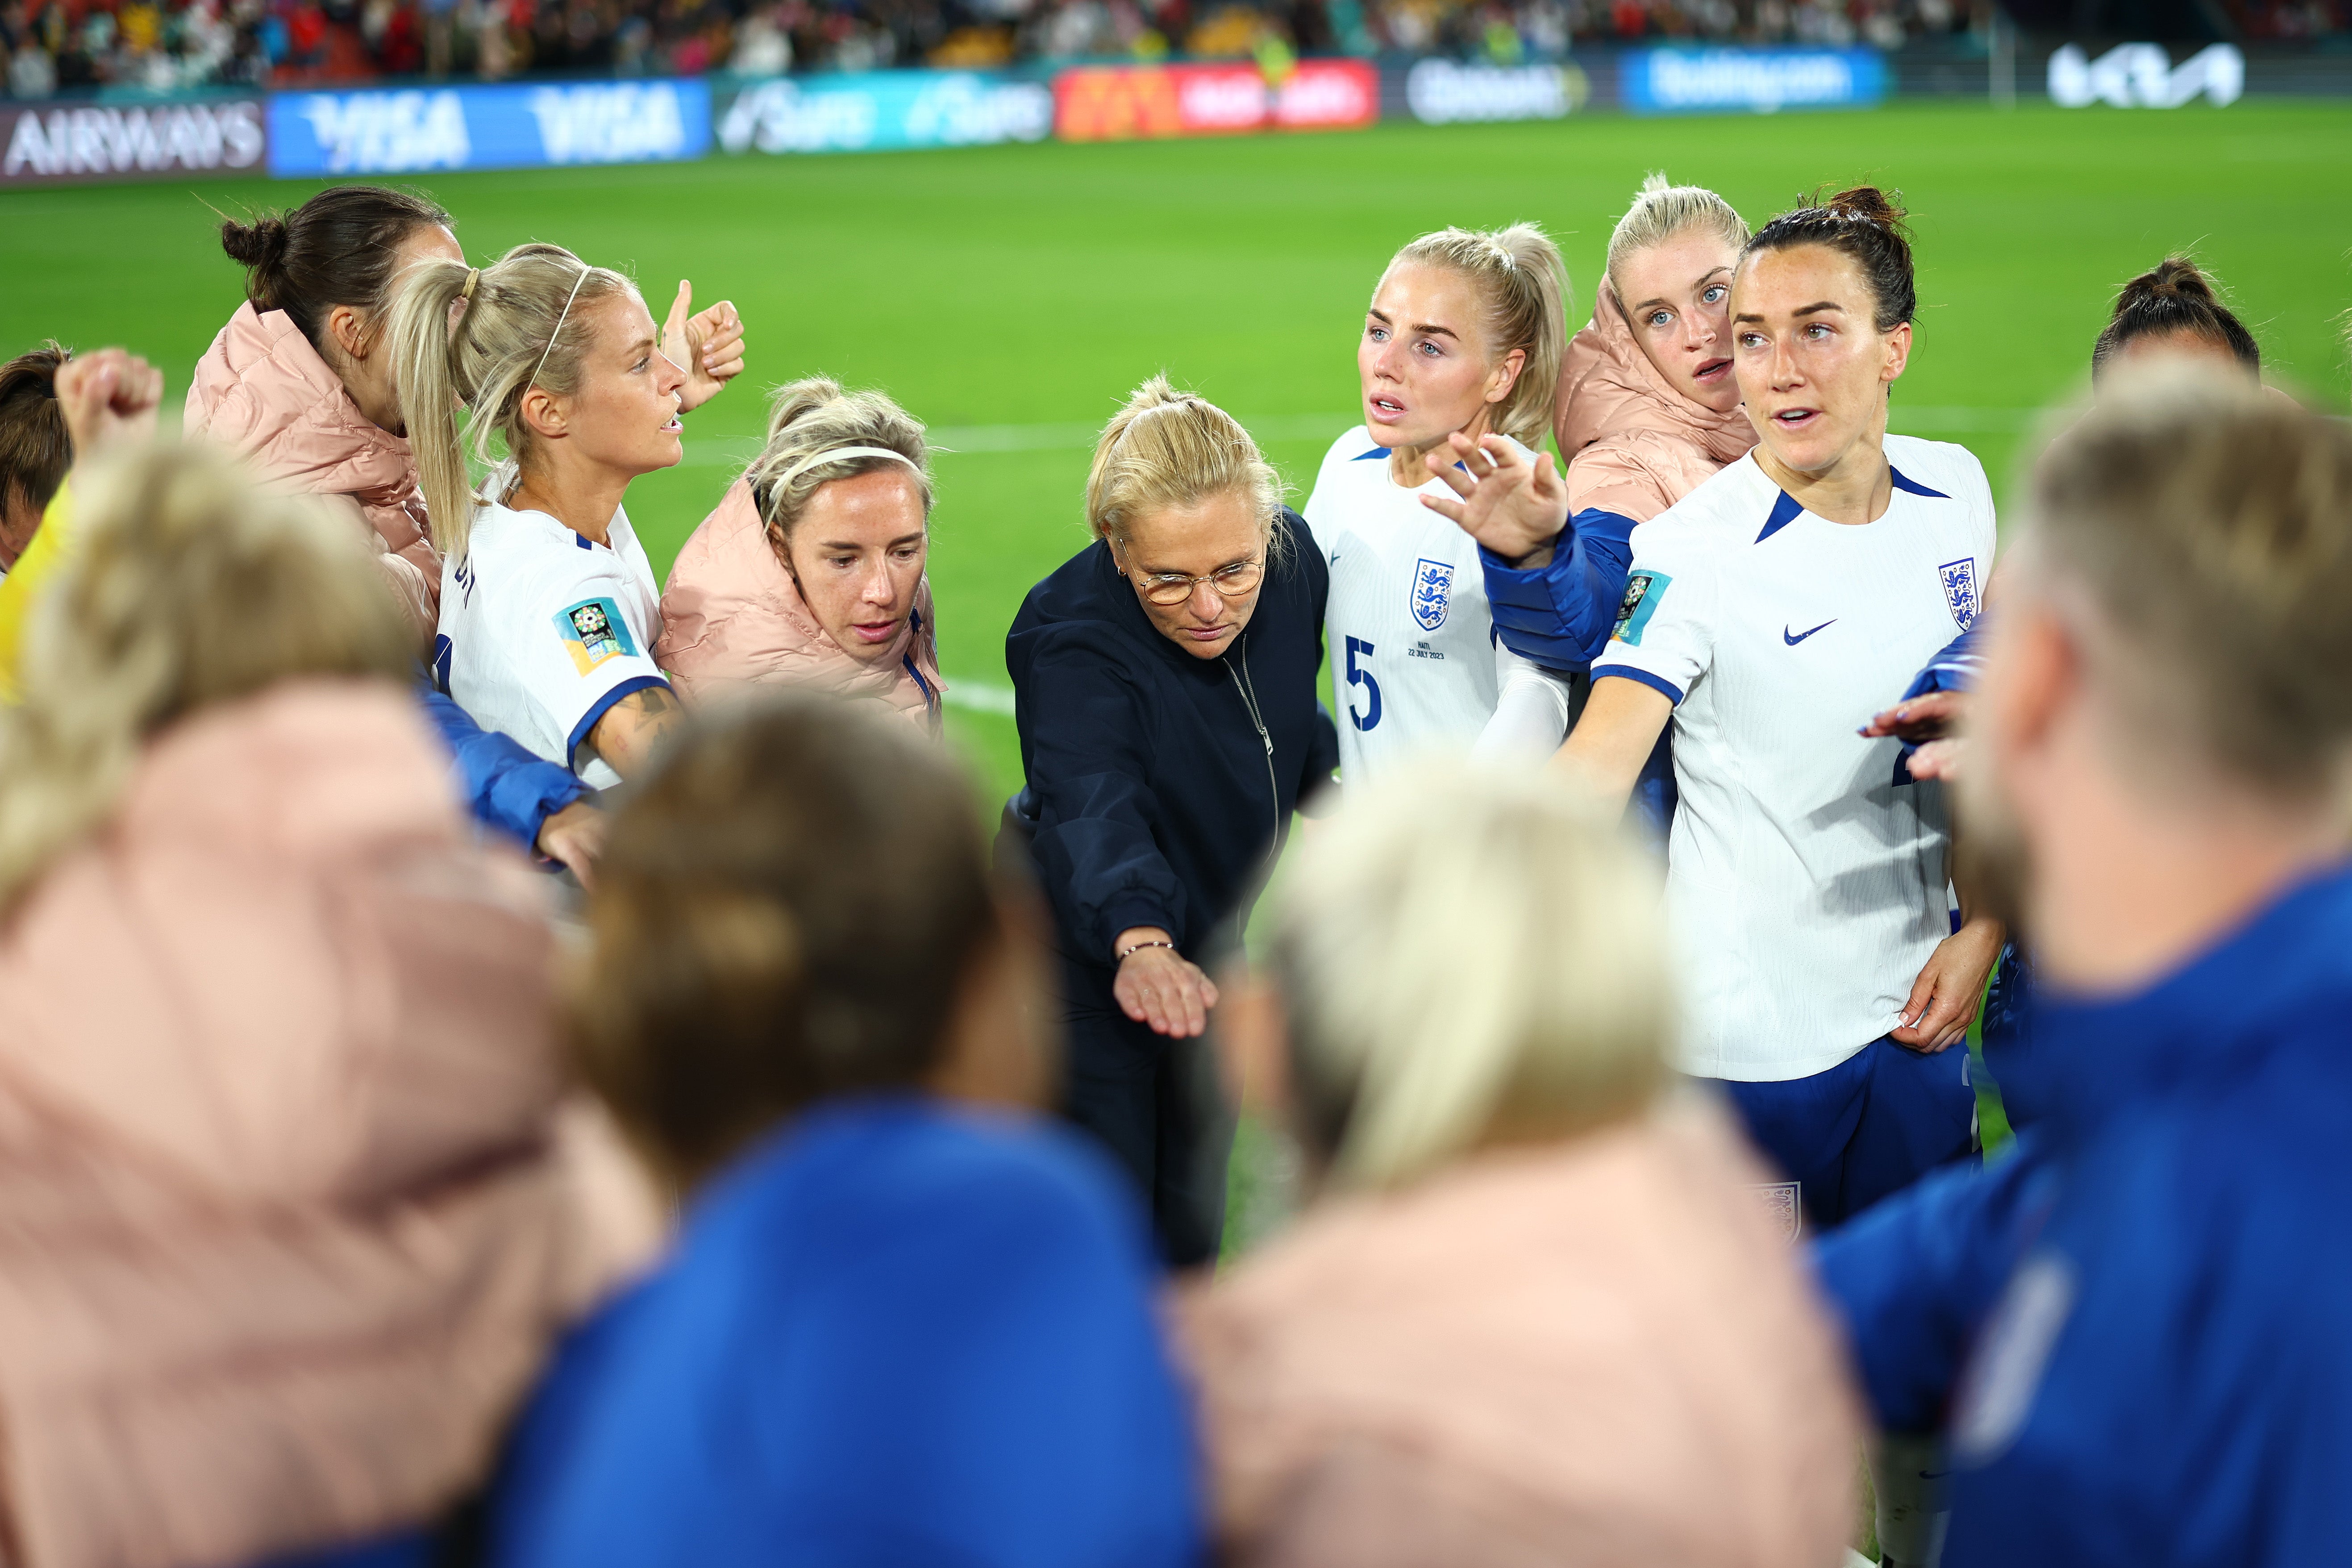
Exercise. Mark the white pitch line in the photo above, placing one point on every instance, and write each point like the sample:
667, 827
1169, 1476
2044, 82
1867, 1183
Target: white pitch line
980, 697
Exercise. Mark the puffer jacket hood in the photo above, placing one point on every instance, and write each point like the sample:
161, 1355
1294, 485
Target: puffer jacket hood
1635, 445
1597, 1350
262, 391
732, 615
293, 1197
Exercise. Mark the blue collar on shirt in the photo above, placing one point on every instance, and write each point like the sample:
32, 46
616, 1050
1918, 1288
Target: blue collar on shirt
1785, 510
2280, 983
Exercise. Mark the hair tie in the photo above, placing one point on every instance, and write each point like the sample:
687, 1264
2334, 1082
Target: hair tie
465, 304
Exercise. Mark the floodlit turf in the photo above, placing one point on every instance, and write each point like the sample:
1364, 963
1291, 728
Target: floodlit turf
1033, 286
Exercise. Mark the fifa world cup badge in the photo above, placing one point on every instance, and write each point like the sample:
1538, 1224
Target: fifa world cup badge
1960, 589
1433, 585
593, 631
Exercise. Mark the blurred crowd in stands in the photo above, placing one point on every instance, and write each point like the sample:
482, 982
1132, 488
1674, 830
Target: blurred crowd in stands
52, 46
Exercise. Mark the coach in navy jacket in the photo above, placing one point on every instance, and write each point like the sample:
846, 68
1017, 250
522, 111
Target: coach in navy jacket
1158, 785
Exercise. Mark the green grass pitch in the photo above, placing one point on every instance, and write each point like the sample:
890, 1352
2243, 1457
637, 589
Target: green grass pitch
1010, 296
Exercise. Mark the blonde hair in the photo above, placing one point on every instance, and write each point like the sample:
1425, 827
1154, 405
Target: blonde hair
485, 350
2210, 522
1660, 212
187, 586
1467, 956
814, 416
1169, 449
1522, 288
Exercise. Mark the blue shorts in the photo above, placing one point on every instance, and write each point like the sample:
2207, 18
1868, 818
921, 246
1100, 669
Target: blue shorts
1871, 1125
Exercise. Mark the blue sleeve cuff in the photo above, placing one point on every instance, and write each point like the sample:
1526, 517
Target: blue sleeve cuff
1954, 670
603, 705
506, 786
1655, 682
1560, 614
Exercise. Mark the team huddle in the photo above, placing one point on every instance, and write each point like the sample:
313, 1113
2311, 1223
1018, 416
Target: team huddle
1636, 1200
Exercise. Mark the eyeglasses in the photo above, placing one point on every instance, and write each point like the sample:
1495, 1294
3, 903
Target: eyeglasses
1175, 587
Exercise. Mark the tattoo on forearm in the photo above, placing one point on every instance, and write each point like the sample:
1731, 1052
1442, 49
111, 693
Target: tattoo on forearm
650, 701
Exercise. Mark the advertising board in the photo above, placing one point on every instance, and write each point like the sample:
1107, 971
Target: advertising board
1685, 81
411, 129
1114, 103
883, 110
87, 143
2142, 75
1450, 92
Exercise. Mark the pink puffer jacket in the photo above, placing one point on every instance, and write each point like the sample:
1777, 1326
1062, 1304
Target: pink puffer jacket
263, 391
1635, 445
1601, 1353
732, 616
293, 1198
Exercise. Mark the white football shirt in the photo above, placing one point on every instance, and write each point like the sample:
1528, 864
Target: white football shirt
1806, 887
542, 630
1415, 666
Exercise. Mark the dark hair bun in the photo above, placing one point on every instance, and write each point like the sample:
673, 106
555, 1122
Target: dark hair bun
1867, 204
256, 244
2175, 278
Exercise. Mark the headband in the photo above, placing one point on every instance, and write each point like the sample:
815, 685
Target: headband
559, 324
835, 453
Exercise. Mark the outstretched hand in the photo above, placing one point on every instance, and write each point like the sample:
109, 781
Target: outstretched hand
1930, 717
1513, 501
707, 346
108, 399
1160, 987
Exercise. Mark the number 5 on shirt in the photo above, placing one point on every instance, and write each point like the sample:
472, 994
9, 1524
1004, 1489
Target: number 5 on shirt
1360, 675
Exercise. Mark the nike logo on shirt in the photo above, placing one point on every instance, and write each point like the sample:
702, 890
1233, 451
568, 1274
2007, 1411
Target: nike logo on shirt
1794, 638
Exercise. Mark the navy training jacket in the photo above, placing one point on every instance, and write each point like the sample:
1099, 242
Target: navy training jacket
2134, 1332
1159, 783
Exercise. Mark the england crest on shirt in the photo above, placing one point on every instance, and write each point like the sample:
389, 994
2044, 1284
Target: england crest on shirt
1433, 585
1960, 589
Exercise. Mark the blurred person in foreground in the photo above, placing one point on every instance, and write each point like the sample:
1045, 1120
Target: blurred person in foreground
1538, 1314
811, 571
295, 1199
36, 448
1164, 687
2132, 1334
907, 1320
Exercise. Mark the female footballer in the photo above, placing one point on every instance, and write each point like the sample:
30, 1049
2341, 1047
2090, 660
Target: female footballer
1457, 362
1765, 614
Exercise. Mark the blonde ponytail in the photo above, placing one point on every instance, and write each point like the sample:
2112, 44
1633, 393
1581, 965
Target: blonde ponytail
814, 416
189, 585
484, 337
1522, 288
1171, 450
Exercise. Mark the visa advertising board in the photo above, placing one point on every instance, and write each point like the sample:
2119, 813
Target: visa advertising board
883, 111
1116, 103
413, 129
1691, 81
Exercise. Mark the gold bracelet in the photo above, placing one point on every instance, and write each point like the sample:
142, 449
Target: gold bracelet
1125, 953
